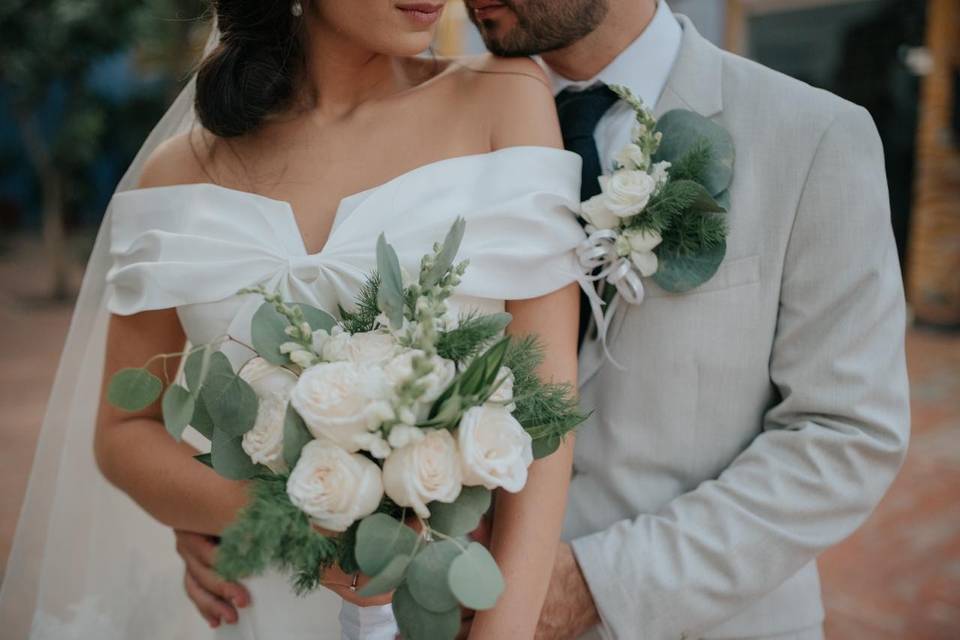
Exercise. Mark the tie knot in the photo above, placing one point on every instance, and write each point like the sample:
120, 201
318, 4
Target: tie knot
580, 111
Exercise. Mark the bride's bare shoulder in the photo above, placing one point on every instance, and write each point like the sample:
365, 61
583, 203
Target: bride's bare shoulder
182, 159
516, 98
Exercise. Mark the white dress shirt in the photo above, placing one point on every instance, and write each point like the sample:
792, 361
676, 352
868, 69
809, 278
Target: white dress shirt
643, 67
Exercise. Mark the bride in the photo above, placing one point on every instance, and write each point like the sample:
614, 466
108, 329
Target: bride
318, 127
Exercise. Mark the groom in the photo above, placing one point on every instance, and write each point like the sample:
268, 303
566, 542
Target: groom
760, 417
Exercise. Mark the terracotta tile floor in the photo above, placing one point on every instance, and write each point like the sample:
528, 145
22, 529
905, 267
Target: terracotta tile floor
898, 577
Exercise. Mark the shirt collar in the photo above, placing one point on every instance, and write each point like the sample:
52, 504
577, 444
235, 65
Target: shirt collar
644, 66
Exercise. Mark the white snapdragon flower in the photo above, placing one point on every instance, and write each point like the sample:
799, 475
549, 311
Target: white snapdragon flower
632, 157
403, 434
338, 400
495, 450
423, 472
640, 246
401, 369
627, 192
596, 212
503, 396
660, 171
333, 487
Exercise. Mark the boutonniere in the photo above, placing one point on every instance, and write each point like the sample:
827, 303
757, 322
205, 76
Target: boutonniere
661, 212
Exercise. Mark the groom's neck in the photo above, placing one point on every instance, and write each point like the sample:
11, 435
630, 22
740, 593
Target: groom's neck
587, 57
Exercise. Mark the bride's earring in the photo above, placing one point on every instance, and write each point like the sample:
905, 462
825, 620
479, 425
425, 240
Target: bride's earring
296, 8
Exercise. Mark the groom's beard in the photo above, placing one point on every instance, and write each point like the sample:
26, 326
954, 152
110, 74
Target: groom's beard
532, 27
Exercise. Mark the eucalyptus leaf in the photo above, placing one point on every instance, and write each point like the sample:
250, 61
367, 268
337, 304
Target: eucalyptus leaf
475, 579
427, 575
204, 458
230, 401
704, 202
682, 131
268, 332
196, 368
295, 436
317, 318
545, 446
390, 296
133, 389
379, 539
178, 408
723, 199
461, 516
681, 273
228, 457
418, 623
388, 579
201, 420
448, 253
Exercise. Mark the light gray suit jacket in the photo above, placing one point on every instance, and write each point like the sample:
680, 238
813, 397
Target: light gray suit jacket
763, 415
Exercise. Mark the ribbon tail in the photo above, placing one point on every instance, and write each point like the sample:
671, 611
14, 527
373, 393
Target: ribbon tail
601, 320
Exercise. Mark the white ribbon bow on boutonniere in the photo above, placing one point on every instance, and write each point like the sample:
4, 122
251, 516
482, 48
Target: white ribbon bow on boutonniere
660, 213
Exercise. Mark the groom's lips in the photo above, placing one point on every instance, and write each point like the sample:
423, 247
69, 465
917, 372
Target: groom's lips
486, 9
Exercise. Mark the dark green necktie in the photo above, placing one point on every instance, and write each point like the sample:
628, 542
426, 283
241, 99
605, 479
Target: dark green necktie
579, 113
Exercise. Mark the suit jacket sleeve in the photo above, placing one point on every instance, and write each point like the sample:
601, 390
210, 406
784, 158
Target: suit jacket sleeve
828, 449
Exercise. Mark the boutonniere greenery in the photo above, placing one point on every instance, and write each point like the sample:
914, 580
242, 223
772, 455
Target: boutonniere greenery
661, 212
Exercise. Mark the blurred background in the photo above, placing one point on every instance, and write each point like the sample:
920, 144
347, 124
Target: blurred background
83, 81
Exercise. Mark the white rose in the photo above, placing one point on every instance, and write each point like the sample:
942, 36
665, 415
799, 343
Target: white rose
335, 488
424, 471
632, 157
264, 442
338, 400
400, 369
503, 396
627, 192
370, 348
495, 450
595, 212
642, 244
266, 378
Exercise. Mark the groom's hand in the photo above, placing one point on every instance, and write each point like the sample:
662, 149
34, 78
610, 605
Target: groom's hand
216, 599
569, 609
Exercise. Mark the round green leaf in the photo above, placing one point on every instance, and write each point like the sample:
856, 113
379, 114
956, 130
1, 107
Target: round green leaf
178, 406
475, 579
427, 576
461, 516
201, 420
228, 457
267, 332
417, 623
388, 579
681, 273
379, 539
545, 446
133, 389
683, 130
295, 436
196, 368
317, 318
230, 401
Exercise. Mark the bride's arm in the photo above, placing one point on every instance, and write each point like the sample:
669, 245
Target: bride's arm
134, 450
526, 525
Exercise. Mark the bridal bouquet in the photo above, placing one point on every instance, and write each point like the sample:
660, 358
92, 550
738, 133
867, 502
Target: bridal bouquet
395, 414
660, 212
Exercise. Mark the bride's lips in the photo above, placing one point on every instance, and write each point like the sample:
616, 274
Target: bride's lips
486, 9
421, 13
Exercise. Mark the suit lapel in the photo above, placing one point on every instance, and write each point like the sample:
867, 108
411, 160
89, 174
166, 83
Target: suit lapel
695, 83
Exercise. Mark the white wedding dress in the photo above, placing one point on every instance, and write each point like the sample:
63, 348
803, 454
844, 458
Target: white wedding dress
193, 247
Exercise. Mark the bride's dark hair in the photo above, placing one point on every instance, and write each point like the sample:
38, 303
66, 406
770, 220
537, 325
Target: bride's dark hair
253, 71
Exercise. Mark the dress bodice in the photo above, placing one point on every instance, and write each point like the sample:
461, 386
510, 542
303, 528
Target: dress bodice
193, 247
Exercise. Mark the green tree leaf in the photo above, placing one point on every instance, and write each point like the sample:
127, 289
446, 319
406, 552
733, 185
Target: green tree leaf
178, 409
228, 457
475, 579
295, 436
196, 368
388, 579
230, 401
133, 389
418, 623
682, 131
390, 296
461, 516
448, 253
427, 576
379, 539
679, 273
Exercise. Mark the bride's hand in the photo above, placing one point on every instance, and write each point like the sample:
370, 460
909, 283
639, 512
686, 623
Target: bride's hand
216, 599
